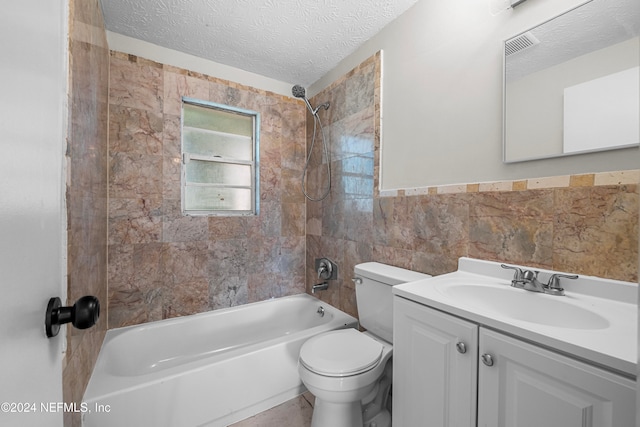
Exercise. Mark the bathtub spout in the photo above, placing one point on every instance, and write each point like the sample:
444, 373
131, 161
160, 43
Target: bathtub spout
320, 287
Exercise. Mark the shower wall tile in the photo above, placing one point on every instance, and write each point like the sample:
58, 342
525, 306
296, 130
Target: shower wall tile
337, 95
228, 292
135, 220
360, 89
353, 135
177, 227
186, 297
574, 223
120, 268
135, 131
227, 228
86, 191
291, 186
227, 258
165, 264
135, 82
132, 305
134, 175
292, 221
178, 85
147, 260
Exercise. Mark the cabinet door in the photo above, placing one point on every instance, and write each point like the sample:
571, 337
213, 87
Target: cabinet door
434, 381
528, 386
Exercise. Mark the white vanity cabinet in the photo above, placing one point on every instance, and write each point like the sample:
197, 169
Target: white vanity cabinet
443, 365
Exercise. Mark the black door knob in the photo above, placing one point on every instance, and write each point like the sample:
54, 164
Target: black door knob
83, 314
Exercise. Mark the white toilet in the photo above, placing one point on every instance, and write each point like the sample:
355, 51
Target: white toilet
349, 372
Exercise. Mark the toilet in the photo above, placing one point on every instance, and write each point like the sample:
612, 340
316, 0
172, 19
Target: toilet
349, 372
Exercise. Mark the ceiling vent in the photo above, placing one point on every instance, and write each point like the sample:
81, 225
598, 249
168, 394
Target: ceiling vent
520, 43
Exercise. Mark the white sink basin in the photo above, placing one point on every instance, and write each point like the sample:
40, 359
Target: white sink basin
504, 300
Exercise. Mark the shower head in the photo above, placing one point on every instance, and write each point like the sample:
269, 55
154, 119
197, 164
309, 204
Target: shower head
298, 91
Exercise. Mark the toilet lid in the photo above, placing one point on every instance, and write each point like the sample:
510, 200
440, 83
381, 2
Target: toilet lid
340, 353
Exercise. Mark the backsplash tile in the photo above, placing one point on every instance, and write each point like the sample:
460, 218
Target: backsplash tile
596, 231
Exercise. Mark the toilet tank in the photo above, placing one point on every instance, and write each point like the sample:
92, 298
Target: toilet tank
374, 297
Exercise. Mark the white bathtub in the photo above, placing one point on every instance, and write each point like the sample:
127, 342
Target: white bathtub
208, 369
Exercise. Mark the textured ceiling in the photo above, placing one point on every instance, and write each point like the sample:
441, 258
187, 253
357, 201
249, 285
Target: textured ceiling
295, 41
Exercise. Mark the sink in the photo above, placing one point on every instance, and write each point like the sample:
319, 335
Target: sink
518, 304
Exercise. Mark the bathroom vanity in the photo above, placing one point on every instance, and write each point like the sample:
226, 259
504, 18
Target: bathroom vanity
472, 350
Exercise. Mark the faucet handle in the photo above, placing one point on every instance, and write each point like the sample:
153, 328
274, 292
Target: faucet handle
518, 274
553, 287
529, 276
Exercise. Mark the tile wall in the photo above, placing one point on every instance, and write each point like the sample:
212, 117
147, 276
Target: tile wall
163, 264
86, 159
585, 224
341, 226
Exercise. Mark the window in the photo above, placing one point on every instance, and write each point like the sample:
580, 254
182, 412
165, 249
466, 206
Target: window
219, 159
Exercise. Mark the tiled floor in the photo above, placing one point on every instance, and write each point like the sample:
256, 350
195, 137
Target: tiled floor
292, 413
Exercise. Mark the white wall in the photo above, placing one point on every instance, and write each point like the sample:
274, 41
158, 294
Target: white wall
33, 108
442, 95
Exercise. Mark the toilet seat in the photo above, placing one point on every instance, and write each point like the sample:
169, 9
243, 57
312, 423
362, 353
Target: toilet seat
341, 353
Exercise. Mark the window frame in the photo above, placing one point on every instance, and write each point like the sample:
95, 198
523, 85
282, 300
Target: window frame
185, 157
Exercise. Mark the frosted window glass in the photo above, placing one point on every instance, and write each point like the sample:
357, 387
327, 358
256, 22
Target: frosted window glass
218, 120
216, 198
214, 144
218, 173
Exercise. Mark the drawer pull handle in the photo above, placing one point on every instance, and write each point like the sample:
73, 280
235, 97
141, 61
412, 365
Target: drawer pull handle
462, 348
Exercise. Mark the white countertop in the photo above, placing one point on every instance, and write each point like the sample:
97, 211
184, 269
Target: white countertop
611, 343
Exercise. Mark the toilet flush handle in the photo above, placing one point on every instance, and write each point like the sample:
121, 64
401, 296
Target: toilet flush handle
357, 280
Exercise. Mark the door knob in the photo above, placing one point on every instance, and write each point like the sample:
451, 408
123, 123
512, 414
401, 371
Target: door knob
83, 314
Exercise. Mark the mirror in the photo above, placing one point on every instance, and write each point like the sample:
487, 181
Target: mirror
571, 84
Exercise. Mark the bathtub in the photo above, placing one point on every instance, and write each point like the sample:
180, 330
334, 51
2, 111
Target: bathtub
208, 369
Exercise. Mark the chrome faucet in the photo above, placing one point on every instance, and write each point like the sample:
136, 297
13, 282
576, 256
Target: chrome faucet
528, 280
327, 270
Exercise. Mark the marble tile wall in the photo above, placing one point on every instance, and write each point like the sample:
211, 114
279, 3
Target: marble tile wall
163, 264
341, 226
86, 159
586, 224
